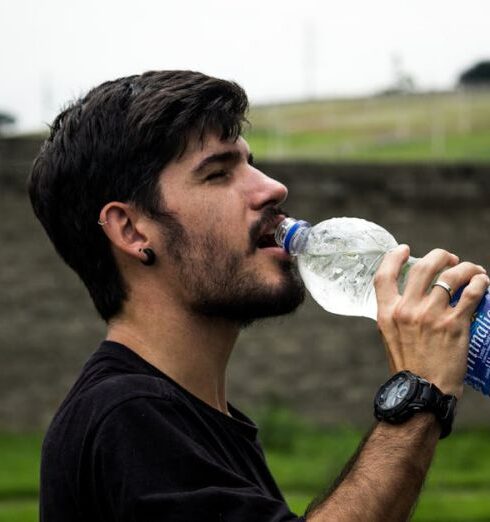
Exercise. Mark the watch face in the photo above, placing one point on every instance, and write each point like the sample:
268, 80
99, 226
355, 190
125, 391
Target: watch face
394, 393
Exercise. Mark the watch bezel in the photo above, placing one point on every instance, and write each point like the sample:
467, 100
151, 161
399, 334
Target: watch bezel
395, 411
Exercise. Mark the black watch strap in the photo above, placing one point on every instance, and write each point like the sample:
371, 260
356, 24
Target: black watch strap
441, 405
446, 406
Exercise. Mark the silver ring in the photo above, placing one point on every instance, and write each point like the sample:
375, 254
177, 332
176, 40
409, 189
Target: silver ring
445, 286
101, 223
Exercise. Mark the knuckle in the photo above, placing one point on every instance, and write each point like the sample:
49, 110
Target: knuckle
473, 293
440, 252
468, 269
482, 278
420, 266
404, 316
483, 281
466, 266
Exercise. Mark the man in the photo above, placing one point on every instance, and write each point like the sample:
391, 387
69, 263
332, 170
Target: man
148, 191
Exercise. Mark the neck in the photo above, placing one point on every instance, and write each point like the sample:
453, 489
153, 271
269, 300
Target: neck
192, 350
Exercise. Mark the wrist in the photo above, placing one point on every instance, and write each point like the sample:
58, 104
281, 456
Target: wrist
406, 395
424, 425
449, 389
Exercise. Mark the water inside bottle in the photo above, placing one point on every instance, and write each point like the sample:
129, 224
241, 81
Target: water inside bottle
340, 284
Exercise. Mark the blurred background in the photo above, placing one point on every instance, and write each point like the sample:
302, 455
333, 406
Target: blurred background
379, 110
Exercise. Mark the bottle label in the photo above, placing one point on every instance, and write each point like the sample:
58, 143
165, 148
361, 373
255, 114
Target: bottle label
478, 372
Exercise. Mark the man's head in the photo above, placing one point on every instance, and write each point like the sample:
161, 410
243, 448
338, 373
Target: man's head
116, 145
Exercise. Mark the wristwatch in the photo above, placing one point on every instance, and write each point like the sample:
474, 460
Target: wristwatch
406, 394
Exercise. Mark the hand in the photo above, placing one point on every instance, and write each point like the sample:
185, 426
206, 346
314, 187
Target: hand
421, 332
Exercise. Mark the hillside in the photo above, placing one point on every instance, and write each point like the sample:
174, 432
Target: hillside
450, 126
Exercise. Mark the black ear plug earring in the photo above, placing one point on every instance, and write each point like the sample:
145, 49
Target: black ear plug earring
150, 256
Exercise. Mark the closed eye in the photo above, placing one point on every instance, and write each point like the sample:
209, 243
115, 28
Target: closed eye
217, 175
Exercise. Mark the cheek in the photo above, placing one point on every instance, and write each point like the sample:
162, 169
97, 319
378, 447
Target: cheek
228, 231
226, 211
220, 213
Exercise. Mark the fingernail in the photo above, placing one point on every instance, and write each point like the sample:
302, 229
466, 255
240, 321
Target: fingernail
482, 268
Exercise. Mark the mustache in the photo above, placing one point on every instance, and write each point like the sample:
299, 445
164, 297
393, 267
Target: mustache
267, 219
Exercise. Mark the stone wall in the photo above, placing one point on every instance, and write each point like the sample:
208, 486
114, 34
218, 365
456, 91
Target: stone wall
323, 366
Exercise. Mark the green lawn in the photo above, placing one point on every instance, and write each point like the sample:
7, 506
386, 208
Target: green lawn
19, 472
19, 510
19, 455
304, 459
451, 126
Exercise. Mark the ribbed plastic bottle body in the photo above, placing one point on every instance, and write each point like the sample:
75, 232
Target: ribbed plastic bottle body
337, 260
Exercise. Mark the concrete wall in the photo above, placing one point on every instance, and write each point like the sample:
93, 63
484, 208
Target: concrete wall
324, 366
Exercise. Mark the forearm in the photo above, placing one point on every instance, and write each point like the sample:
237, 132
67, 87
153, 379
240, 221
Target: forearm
384, 479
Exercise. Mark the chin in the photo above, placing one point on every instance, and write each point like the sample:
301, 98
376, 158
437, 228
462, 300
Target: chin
256, 300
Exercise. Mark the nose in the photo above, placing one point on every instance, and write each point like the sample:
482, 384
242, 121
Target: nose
267, 191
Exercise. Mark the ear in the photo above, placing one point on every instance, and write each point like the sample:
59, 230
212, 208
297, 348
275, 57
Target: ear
126, 228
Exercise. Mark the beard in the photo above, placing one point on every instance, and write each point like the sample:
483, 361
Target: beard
218, 284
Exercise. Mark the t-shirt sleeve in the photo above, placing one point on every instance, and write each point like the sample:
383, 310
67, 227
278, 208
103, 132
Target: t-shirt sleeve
148, 466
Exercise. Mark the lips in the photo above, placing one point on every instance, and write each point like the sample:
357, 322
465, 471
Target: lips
266, 230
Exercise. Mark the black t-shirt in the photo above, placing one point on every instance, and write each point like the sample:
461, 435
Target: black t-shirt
130, 444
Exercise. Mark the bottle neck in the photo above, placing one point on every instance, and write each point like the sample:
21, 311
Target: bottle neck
291, 234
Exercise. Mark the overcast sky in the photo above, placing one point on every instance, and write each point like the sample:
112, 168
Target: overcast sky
54, 50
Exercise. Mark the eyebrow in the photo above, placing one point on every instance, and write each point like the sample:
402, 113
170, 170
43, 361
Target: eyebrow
221, 157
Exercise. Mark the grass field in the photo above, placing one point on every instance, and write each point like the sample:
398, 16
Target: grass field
450, 126
304, 459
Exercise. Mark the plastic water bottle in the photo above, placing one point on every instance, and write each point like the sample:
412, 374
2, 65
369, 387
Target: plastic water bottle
337, 260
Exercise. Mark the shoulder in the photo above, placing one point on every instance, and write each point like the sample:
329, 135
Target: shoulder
86, 410
114, 390
117, 412
121, 395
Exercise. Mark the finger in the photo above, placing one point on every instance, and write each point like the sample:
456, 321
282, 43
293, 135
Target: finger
472, 295
425, 270
385, 280
455, 277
